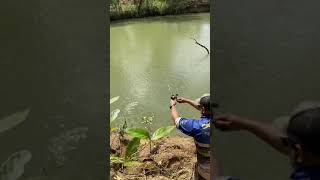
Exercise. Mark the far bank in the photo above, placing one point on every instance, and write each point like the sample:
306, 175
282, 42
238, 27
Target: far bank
127, 9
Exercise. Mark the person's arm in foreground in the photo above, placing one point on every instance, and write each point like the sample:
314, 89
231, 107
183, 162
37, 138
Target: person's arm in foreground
195, 104
174, 112
266, 132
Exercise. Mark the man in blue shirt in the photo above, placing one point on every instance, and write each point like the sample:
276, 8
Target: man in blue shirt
300, 141
199, 129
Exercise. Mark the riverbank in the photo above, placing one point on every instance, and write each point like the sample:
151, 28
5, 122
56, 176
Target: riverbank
172, 157
127, 9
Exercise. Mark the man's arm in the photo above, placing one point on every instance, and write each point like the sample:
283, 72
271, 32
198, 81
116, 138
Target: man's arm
194, 104
174, 111
266, 132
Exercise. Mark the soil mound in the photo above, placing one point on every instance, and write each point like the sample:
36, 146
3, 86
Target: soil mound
171, 157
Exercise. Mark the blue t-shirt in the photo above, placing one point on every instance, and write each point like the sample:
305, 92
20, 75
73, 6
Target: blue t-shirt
306, 173
310, 173
198, 129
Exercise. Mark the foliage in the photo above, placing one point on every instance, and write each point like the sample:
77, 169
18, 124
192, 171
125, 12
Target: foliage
114, 114
138, 133
139, 8
132, 147
147, 120
124, 162
114, 99
161, 132
128, 160
144, 134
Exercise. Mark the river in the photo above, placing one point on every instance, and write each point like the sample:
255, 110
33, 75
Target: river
153, 58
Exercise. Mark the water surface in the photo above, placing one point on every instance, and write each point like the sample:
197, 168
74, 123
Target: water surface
153, 58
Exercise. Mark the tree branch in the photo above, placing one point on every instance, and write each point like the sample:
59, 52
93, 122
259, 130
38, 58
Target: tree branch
201, 45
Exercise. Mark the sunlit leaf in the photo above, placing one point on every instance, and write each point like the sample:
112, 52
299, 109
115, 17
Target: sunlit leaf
116, 160
138, 133
162, 132
13, 120
114, 99
132, 147
114, 129
132, 163
114, 114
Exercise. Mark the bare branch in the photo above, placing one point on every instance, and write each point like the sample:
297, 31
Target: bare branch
201, 45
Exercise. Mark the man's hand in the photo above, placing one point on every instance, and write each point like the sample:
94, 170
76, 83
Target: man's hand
173, 102
229, 122
189, 101
182, 100
174, 112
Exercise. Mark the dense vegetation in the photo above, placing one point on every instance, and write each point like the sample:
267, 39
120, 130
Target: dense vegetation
122, 9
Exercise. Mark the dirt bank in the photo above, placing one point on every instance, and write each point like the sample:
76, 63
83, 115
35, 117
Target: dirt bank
172, 158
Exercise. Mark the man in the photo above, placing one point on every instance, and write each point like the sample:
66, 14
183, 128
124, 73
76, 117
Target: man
300, 141
198, 129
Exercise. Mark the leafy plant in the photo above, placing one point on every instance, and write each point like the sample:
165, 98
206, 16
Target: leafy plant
128, 159
114, 99
162, 132
132, 148
114, 114
124, 162
144, 134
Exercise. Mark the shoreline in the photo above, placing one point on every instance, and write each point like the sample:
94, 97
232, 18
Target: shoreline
198, 8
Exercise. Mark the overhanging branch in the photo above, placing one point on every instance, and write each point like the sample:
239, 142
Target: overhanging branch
201, 45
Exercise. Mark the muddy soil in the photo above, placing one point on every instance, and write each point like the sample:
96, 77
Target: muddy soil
171, 157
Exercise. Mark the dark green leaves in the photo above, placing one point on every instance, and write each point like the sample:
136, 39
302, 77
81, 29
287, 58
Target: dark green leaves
132, 147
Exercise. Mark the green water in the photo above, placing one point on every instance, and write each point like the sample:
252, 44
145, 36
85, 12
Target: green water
153, 58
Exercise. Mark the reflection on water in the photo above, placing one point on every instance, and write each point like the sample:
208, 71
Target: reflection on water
154, 58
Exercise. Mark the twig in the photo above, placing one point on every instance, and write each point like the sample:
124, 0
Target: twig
201, 45
193, 172
144, 172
